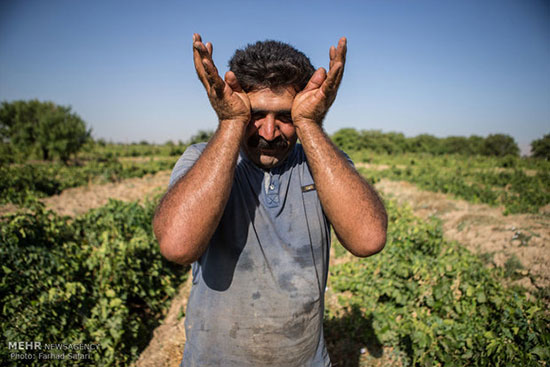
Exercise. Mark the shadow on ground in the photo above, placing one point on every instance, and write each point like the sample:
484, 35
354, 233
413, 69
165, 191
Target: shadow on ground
349, 336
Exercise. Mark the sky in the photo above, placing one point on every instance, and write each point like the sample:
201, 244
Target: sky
446, 68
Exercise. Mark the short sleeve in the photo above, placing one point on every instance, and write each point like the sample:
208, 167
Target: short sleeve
185, 162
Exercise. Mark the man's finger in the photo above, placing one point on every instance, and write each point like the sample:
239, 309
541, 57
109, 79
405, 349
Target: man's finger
336, 71
338, 54
332, 82
207, 71
214, 79
316, 79
331, 55
342, 50
199, 68
232, 82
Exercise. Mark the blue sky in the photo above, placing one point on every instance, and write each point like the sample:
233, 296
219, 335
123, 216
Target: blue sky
439, 67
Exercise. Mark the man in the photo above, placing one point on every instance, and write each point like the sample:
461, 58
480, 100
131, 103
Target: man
251, 210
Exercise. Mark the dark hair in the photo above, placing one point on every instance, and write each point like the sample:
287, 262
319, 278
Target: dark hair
271, 64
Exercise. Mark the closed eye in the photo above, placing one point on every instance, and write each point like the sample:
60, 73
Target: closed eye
285, 117
257, 115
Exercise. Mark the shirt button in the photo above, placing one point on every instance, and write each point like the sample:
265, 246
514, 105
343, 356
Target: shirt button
271, 187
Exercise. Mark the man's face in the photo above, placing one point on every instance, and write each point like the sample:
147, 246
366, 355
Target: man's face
270, 135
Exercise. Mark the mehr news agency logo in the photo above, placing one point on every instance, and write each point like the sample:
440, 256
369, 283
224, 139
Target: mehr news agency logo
35, 350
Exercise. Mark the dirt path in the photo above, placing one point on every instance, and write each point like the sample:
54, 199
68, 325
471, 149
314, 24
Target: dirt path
79, 200
484, 229
166, 346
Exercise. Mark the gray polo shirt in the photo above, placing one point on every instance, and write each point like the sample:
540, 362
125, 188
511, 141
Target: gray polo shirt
258, 290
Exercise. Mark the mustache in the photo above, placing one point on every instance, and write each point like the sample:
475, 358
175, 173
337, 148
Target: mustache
256, 141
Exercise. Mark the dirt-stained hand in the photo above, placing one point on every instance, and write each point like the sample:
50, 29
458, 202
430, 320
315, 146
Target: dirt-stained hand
226, 96
313, 103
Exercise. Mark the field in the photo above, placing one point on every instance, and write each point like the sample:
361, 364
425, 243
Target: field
462, 281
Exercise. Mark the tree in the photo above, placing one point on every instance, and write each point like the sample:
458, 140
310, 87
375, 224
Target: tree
500, 145
425, 143
540, 148
476, 144
42, 127
394, 143
461, 145
376, 141
201, 136
347, 139
17, 124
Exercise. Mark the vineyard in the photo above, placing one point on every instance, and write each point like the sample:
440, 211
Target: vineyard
433, 303
99, 278
22, 183
519, 185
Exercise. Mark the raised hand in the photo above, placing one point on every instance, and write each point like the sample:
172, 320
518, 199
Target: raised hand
313, 103
226, 97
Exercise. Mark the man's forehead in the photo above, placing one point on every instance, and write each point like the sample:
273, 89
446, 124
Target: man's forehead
271, 97
278, 91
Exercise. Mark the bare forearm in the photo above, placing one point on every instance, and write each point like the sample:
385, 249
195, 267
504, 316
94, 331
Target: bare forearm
350, 203
191, 210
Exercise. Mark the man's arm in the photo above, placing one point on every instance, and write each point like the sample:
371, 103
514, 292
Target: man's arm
350, 203
189, 213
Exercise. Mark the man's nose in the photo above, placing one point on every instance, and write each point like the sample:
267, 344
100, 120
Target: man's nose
268, 128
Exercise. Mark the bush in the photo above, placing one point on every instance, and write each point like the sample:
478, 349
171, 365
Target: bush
500, 145
474, 179
201, 136
436, 304
348, 139
42, 127
540, 148
20, 182
351, 140
100, 279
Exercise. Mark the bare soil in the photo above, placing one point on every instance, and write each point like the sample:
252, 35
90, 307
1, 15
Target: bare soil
143, 159
78, 200
485, 230
166, 347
